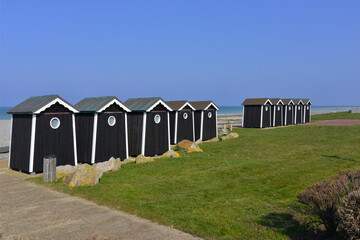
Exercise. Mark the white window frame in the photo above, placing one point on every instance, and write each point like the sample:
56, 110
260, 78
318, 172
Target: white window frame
108, 121
55, 118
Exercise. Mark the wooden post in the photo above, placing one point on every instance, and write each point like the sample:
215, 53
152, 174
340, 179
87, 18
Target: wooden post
49, 168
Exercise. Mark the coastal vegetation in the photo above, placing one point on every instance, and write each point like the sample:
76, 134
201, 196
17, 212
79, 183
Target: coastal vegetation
244, 188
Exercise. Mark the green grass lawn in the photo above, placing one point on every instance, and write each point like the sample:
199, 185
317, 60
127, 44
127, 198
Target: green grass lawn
243, 188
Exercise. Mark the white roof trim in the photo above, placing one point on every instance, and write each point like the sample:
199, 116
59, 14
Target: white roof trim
117, 102
309, 102
157, 103
188, 104
300, 101
280, 101
267, 102
291, 101
56, 100
212, 105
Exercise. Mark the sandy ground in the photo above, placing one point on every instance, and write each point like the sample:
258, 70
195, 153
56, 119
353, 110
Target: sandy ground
4, 136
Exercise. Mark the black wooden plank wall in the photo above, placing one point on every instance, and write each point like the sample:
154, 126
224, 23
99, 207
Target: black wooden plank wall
156, 139
20, 142
267, 116
84, 124
209, 129
299, 115
252, 115
307, 117
278, 116
110, 140
197, 120
172, 127
185, 126
50, 141
288, 111
135, 125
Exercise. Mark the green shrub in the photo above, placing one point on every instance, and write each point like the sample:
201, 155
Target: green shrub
348, 216
323, 199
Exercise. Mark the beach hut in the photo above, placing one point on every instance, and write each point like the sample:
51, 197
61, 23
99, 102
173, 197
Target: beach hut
181, 121
277, 112
42, 126
257, 113
205, 119
148, 126
288, 111
307, 110
101, 129
299, 111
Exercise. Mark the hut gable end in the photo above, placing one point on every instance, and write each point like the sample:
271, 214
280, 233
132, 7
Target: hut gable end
113, 108
159, 108
57, 108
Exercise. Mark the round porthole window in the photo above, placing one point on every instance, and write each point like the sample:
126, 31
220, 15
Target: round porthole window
307, 108
298, 107
266, 108
54, 123
157, 118
289, 108
209, 114
185, 115
278, 108
111, 121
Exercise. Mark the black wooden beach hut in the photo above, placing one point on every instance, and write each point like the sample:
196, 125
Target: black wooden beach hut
42, 126
205, 119
307, 110
181, 121
148, 126
299, 111
257, 113
277, 112
288, 111
101, 129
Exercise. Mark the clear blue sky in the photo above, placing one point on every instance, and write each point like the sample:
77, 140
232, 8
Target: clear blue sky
225, 51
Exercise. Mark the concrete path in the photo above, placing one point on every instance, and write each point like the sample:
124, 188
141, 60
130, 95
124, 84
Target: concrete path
29, 211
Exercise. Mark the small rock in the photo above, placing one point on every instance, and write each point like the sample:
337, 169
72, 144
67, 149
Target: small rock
186, 145
142, 159
171, 153
230, 136
61, 171
212, 140
108, 166
195, 150
85, 175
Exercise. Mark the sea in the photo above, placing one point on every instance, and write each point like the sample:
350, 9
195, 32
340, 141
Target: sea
229, 110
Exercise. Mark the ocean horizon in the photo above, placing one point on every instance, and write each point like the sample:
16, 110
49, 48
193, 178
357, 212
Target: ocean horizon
230, 110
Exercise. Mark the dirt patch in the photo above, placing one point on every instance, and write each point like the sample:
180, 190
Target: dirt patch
338, 122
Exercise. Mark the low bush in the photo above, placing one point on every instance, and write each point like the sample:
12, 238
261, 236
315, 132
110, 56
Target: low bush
348, 216
324, 198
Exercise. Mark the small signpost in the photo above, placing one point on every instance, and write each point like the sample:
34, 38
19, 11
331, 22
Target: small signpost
49, 168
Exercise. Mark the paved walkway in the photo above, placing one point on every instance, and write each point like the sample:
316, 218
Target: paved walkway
29, 211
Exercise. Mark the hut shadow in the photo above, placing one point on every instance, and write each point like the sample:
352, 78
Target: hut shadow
340, 158
285, 223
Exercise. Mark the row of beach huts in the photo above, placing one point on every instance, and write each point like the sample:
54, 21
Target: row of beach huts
96, 129
273, 112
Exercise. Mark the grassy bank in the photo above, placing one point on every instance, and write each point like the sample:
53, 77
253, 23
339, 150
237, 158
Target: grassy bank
243, 188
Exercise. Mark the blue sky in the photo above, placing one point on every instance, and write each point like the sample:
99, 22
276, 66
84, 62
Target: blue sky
225, 51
